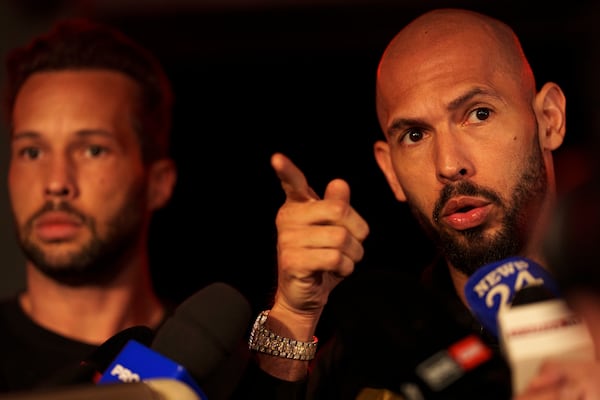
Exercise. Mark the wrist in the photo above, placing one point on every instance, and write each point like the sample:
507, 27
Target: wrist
264, 340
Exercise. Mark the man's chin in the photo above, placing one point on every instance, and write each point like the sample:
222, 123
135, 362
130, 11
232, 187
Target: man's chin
468, 258
62, 267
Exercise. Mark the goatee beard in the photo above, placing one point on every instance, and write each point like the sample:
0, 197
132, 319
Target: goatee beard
470, 249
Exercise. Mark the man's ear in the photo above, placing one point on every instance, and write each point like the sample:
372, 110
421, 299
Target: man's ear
162, 176
384, 160
550, 109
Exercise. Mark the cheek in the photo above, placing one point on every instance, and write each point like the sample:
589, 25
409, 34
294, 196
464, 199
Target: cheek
23, 190
108, 186
506, 155
501, 173
111, 199
420, 188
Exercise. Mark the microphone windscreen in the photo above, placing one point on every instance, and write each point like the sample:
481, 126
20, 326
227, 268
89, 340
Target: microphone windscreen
206, 334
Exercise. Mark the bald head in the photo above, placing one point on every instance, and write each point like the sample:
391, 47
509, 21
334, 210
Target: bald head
460, 43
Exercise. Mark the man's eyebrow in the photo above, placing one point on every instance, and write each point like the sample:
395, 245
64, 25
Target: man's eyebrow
25, 135
94, 132
461, 100
400, 124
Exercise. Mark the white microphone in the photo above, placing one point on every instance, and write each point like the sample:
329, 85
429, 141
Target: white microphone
537, 327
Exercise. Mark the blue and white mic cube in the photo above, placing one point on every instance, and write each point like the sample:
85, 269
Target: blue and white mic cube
137, 363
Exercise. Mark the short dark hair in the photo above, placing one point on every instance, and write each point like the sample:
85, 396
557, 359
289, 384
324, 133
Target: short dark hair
79, 43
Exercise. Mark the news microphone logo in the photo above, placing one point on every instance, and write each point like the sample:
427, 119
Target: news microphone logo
492, 287
136, 363
124, 374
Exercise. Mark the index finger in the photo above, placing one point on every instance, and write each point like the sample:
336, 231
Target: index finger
292, 179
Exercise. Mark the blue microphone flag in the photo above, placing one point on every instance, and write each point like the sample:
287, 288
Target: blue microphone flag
136, 363
494, 285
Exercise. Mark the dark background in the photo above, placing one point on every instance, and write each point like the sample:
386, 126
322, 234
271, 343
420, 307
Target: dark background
252, 78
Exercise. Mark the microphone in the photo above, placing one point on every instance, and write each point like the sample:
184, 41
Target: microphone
538, 326
207, 334
446, 366
492, 287
138, 363
202, 344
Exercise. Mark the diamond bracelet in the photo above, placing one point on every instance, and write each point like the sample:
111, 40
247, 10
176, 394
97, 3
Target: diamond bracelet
265, 341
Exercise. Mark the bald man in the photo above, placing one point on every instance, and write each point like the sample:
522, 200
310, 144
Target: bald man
468, 146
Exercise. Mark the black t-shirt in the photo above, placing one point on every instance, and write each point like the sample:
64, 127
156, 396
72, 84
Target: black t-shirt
30, 353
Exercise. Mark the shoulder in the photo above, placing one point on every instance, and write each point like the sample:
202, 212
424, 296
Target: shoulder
31, 353
11, 314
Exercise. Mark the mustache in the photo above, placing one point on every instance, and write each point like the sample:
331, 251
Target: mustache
463, 188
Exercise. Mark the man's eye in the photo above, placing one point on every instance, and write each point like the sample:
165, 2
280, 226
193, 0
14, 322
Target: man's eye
30, 153
95, 151
480, 114
413, 135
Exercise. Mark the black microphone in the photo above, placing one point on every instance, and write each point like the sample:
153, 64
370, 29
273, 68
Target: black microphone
207, 334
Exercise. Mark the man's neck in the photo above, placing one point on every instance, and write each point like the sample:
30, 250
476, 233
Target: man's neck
92, 313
